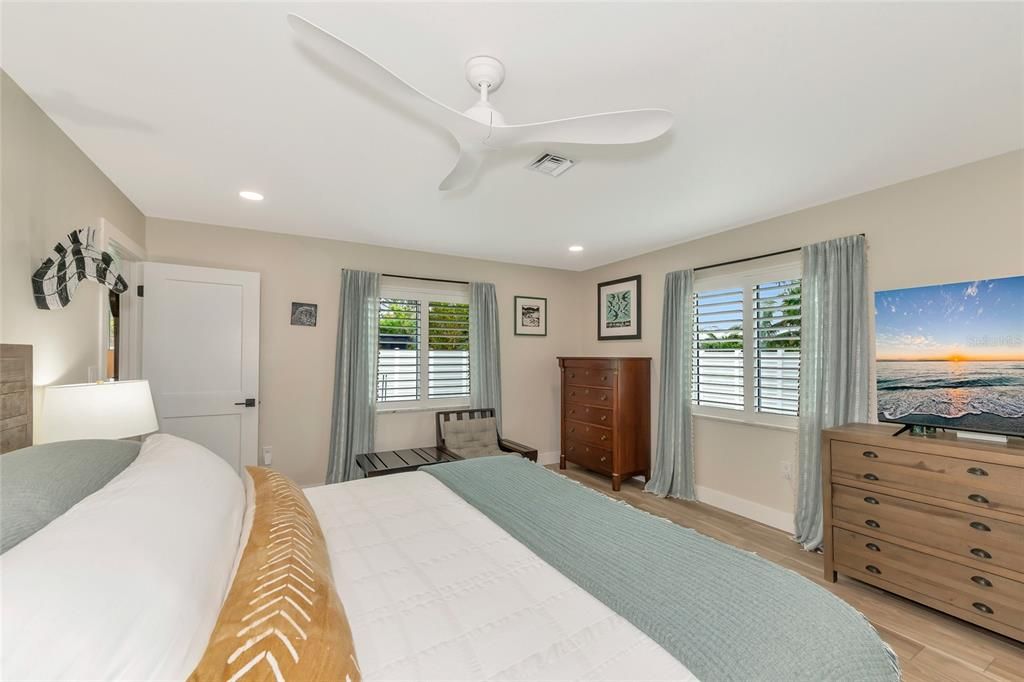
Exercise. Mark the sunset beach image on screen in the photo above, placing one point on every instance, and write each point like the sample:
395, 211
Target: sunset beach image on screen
952, 355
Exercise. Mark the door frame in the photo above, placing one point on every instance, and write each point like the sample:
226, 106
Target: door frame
108, 237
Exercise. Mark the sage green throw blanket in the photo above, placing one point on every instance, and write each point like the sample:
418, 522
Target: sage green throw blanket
724, 613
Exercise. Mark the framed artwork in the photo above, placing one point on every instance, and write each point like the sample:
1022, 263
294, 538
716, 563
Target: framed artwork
304, 314
618, 309
531, 315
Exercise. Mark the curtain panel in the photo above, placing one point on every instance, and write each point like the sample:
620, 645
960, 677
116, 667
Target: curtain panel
834, 363
354, 414
484, 350
672, 472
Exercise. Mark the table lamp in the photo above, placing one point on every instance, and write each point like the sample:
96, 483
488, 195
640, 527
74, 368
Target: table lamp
112, 410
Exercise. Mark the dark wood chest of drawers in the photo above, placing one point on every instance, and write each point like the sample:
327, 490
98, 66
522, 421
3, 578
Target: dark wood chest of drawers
606, 415
936, 520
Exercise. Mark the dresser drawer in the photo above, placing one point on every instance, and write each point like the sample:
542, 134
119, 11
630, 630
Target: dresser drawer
589, 456
970, 536
585, 395
590, 376
987, 595
589, 363
591, 415
589, 433
988, 486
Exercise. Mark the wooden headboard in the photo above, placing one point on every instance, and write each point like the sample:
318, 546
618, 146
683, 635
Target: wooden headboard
15, 397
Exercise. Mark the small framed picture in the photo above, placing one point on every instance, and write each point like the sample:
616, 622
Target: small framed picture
618, 309
531, 316
304, 314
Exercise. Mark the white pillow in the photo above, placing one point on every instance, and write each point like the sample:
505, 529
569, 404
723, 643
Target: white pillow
128, 583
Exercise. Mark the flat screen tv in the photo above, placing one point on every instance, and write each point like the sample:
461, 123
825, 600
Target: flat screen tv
952, 356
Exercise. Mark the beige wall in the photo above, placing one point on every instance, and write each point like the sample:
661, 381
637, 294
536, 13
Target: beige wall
49, 187
961, 224
297, 363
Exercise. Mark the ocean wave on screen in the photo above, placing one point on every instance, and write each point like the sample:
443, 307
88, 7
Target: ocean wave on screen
923, 384
951, 404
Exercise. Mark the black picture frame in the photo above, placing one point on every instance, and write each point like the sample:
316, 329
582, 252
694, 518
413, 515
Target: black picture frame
515, 318
303, 314
636, 309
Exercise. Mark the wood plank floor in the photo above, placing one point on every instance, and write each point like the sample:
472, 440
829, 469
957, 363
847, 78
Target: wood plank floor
932, 647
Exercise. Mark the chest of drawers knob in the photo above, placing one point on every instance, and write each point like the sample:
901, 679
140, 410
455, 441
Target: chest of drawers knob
980, 553
604, 417
981, 580
871, 500
978, 525
980, 499
871, 523
873, 547
873, 569
604, 458
977, 471
870, 454
984, 608
870, 477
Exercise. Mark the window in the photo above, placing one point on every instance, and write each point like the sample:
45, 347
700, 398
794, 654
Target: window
746, 345
423, 349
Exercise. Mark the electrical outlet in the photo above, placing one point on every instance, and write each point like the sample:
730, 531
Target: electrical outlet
787, 471
268, 455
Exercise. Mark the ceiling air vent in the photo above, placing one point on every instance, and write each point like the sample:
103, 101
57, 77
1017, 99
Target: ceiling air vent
551, 164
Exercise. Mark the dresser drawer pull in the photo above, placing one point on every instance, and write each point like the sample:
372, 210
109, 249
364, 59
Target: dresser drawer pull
980, 553
572, 429
871, 500
981, 580
604, 437
573, 375
977, 471
870, 454
978, 525
604, 417
873, 547
873, 569
984, 608
572, 394
980, 499
604, 396
604, 378
604, 459
870, 477
871, 523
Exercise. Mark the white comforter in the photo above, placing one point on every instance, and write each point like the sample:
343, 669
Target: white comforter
434, 590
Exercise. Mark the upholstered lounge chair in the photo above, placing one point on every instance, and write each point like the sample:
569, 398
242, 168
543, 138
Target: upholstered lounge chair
474, 433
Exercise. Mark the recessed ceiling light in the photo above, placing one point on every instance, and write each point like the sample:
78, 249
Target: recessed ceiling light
575, 248
251, 196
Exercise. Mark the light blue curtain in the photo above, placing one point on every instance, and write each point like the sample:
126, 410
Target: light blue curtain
834, 362
484, 351
354, 414
672, 474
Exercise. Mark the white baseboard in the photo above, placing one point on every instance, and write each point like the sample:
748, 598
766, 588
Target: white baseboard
546, 458
776, 518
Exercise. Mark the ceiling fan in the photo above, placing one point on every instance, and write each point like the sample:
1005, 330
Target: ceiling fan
481, 128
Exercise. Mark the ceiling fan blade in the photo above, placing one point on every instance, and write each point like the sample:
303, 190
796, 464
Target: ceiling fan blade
380, 77
616, 127
465, 169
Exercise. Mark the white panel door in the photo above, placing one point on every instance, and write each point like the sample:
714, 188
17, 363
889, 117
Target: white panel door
200, 353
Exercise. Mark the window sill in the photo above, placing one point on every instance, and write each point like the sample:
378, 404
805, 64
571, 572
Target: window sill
792, 427
420, 408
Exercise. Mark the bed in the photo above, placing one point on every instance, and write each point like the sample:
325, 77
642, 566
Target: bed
493, 568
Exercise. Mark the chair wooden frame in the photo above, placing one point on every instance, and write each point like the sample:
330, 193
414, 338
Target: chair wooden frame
481, 413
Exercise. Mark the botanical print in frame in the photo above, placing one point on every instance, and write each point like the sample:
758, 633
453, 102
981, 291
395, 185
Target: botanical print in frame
531, 316
304, 314
618, 309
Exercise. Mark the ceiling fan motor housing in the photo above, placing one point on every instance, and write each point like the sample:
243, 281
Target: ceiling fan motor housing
483, 69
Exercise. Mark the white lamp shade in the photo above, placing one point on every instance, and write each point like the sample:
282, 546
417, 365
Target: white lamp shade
116, 409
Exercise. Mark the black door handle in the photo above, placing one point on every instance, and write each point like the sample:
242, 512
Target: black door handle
249, 402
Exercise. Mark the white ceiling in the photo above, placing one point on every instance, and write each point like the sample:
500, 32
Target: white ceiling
777, 107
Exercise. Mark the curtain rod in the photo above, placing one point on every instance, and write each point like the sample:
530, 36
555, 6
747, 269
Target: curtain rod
425, 279
744, 260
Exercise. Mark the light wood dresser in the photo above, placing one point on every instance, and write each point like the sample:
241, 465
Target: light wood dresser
606, 415
933, 519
